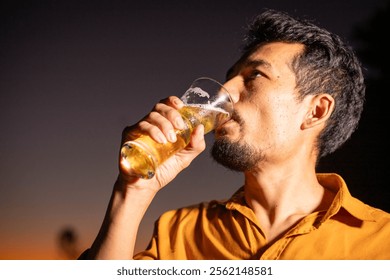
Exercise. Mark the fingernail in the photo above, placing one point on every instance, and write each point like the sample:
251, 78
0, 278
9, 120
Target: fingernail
179, 123
176, 101
172, 136
200, 129
161, 138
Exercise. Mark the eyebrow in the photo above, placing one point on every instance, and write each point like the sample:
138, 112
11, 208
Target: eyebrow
257, 62
253, 63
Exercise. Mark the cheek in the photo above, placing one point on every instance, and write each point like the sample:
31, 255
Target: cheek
282, 119
289, 123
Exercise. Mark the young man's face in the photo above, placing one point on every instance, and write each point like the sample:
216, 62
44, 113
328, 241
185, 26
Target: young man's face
268, 117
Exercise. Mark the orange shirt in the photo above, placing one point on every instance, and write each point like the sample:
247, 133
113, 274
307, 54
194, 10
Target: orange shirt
349, 229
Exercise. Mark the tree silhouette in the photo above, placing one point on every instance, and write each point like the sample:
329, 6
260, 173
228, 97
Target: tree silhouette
68, 243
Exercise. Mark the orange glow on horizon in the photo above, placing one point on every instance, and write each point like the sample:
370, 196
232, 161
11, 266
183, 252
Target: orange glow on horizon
47, 252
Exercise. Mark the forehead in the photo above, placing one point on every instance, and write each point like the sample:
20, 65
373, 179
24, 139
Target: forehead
276, 52
276, 56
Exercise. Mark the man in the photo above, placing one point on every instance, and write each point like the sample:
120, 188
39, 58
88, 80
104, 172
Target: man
298, 94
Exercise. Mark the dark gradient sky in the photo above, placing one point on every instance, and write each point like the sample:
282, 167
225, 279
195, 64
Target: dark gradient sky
75, 73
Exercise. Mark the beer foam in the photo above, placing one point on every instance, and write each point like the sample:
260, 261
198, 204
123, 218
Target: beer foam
198, 91
208, 107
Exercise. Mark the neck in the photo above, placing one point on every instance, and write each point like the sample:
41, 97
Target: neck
281, 197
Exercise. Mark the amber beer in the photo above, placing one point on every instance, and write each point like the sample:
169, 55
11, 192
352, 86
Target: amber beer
142, 155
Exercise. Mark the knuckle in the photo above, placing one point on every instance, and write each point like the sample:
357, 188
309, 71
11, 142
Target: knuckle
142, 124
154, 114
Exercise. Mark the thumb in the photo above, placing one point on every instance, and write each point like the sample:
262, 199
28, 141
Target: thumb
197, 142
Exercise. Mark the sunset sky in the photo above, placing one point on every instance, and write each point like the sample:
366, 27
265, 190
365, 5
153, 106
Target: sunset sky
75, 73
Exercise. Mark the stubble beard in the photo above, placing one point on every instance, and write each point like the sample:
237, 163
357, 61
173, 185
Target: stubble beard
235, 155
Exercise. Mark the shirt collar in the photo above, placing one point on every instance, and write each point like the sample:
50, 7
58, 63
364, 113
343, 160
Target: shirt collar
332, 181
343, 198
237, 202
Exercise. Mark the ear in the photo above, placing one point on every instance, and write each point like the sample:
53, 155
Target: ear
320, 110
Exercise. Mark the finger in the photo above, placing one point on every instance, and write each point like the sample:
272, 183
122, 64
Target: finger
181, 160
197, 145
176, 102
144, 127
153, 131
162, 121
171, 113
173, 101
197, 142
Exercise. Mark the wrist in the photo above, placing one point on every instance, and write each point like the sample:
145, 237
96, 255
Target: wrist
127, 189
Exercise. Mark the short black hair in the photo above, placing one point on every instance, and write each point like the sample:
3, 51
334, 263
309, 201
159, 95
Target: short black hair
327, 65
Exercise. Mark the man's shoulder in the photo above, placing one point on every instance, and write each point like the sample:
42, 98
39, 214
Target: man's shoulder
380, 215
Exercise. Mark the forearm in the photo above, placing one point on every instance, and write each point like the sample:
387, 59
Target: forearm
117, 236
132, 196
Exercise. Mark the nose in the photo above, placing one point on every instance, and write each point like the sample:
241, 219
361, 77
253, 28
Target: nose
234, 87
